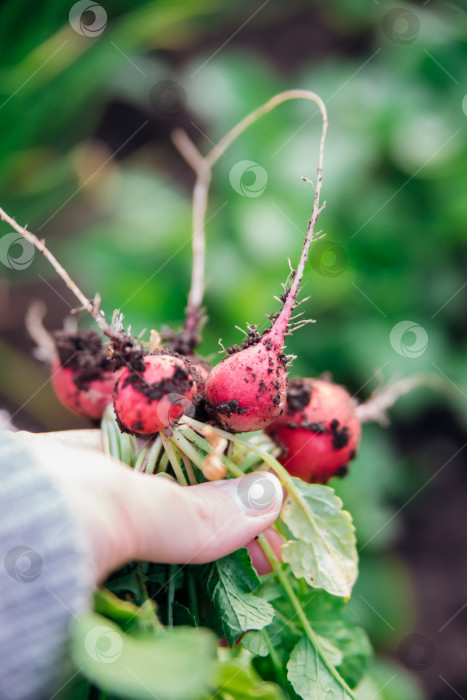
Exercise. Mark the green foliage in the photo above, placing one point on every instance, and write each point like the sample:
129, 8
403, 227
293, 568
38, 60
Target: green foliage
310, 677
338, 641
324, 553
230, 582
173, 665
395, 178
237, 679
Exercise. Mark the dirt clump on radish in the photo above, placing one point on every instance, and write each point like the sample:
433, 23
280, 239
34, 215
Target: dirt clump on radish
254, 376
83, 374
318, 433
153, 399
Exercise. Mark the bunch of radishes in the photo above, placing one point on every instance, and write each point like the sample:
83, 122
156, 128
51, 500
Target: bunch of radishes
313, 421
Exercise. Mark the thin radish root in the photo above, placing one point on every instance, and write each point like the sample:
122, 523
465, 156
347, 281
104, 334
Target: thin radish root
189, 338
45, 349
247, 390
375, 408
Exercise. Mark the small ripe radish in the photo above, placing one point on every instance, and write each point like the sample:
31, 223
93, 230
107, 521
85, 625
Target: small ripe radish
319, 432
81, 375
151, 399
247, 390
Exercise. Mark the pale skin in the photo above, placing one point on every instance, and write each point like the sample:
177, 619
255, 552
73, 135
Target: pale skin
125, 516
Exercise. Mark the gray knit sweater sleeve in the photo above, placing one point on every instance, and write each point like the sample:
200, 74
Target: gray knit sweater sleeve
44, 577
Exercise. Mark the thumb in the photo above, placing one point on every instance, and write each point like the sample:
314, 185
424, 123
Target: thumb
196, 524
127, 515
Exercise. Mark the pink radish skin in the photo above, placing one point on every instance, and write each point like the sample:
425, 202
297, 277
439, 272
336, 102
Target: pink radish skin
234, 393
89, 398
149, 401
247, 390
319, 432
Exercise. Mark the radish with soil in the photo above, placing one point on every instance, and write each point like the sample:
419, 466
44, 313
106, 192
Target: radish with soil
246, 391
319, 432
153, 395
82, 374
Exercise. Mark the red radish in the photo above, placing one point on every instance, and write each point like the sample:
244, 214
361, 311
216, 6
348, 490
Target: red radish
87, 398
247, 390
81, 374
151, 399
319, 432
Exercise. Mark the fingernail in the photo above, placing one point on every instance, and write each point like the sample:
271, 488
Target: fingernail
255, 494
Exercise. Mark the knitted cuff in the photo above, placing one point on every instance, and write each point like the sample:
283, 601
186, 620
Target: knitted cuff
44, 576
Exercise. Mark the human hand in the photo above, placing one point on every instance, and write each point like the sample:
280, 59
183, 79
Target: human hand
125, 515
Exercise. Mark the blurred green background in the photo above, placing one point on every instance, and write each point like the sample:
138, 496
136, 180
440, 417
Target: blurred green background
89, 95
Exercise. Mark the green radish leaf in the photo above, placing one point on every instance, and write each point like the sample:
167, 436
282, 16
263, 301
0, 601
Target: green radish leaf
106, 603
331, 652
309, 676
255, 643
330, 621
238, 680
176, 664
128, 615
230, 582
117, 444
357, 651
342, 643
125, 581
325, 552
